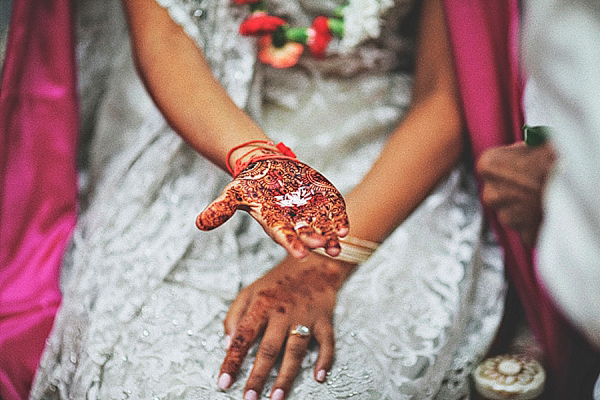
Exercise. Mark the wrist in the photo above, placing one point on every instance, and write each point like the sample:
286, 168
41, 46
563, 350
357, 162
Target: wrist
242, 154
335, 271
239, 157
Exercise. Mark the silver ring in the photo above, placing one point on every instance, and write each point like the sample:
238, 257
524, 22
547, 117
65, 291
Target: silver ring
301, 330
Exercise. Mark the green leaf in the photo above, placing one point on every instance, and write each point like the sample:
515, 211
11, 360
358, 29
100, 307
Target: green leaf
279, 36
336, 26
536, 135
297, 34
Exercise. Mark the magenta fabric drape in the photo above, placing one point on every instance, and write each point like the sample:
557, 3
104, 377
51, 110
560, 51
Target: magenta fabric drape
484, 37
39, 125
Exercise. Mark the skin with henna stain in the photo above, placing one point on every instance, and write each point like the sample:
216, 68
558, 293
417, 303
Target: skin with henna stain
290, 199
292, 293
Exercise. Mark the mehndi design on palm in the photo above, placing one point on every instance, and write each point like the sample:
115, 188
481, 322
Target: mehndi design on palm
296, 205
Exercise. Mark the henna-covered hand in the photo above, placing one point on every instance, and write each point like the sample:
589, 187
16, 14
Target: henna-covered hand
293, 293
296, 205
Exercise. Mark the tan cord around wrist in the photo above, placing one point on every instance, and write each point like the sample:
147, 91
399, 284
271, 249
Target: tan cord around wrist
354, 250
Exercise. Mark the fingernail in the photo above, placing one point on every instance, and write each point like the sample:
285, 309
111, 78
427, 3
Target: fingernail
227, 342
277, 394
250, 395
334, 251
224, 381
321, 375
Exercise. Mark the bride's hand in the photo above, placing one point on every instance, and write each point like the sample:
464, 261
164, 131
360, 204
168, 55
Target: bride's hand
290, 295
296, 205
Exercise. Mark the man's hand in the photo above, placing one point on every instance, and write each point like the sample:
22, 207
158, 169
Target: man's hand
297, 206
513, 178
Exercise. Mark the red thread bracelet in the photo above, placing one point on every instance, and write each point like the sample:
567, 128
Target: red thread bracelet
279, 150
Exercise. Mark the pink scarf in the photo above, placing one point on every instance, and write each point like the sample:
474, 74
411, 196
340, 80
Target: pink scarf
484, 36
39, 125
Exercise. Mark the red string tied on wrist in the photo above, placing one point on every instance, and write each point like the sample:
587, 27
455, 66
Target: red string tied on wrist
268, 149
286, 151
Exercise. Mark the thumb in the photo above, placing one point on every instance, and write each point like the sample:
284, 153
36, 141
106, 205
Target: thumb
217, 212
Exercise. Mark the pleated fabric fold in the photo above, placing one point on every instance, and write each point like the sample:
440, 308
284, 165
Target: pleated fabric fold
38, 181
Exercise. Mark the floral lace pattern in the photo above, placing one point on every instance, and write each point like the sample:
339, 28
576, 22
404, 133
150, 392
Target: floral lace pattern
147, 293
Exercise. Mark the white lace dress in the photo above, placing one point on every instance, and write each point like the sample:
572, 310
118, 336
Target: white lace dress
146, 292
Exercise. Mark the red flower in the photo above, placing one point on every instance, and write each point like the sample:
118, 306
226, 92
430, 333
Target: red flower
279, 57
260, 23
321, 38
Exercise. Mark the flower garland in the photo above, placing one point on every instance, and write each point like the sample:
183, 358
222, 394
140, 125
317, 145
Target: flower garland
281, 45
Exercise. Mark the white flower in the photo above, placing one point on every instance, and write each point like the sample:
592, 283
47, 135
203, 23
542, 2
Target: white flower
362, 21
298, 198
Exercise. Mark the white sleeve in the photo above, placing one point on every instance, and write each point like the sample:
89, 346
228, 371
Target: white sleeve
562, 54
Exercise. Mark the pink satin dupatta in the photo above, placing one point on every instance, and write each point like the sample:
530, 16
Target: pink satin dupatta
39, 126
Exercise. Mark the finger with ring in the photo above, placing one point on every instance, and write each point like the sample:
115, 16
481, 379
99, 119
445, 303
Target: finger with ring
295, 351
301, 330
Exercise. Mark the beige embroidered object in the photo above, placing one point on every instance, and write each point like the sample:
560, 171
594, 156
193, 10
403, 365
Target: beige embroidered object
516, 377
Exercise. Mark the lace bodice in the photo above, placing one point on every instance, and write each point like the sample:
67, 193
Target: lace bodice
146, 293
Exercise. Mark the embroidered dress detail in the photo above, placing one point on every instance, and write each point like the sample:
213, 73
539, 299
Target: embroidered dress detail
362, 20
